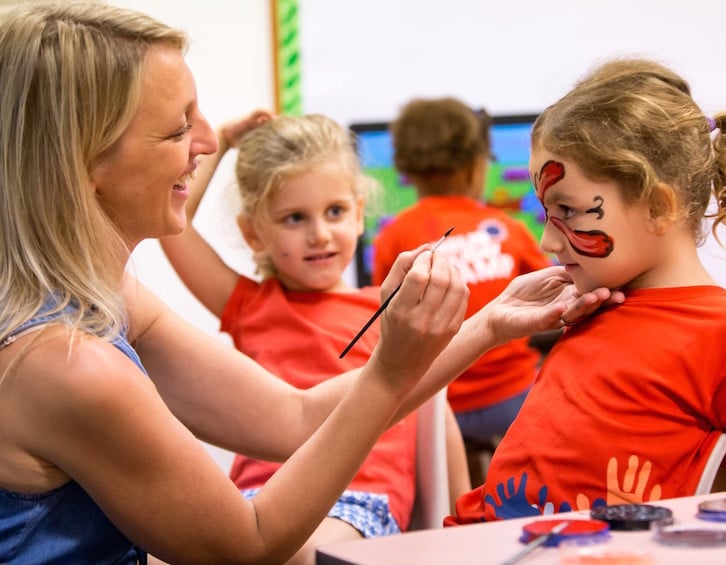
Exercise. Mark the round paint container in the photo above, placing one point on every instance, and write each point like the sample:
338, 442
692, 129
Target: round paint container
712, 510
576, 529
630, 517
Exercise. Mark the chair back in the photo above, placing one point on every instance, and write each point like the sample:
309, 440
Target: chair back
713, 464
431, 504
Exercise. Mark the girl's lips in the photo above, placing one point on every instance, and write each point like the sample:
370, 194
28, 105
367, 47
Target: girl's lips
320, 257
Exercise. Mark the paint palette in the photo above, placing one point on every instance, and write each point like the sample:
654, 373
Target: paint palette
712, 510
630, 516
576, 529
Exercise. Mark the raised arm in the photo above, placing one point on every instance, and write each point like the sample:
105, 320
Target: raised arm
196, 262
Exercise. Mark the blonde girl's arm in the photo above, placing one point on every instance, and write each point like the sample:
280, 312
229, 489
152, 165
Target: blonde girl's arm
196, 262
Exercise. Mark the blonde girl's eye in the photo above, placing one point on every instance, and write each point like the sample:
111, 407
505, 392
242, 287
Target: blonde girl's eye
336, 211
294, 218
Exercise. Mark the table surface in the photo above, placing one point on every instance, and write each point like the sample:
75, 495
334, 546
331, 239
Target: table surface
495, 542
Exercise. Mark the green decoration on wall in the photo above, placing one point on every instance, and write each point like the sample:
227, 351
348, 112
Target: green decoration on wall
287, 51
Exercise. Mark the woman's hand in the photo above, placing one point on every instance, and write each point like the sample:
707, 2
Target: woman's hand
544, 300
424, 315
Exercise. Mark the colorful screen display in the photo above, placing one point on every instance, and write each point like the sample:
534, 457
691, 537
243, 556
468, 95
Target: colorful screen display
507, 184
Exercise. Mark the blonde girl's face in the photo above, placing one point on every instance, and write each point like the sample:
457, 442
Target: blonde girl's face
598, 237
315, 222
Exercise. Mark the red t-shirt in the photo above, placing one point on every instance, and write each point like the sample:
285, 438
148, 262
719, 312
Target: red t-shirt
299, 336
626, 409
490, 248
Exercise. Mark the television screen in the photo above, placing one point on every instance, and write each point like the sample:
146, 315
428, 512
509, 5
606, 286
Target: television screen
507, 183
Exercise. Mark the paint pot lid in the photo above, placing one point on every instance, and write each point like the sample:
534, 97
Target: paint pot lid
630, 517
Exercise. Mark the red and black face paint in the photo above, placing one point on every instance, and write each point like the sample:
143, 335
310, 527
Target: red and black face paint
594, 243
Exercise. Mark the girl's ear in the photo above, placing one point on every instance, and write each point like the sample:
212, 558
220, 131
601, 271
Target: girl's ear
249, 232
663, 208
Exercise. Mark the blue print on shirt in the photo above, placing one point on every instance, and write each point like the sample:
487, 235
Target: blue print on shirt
514, 503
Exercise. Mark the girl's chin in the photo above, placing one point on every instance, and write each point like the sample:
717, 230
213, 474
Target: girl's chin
587, 286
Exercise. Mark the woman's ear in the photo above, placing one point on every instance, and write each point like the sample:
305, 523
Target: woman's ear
249, 232
663, 207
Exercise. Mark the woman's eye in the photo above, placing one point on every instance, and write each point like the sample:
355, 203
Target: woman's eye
182, 132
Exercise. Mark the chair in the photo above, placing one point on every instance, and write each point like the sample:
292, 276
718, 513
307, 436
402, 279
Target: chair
715, 459
431, 504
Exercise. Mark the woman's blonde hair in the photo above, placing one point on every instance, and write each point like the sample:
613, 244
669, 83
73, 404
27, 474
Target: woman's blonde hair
70, 79
286, 147
634, 121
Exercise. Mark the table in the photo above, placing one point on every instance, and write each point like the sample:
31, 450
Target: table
494, 542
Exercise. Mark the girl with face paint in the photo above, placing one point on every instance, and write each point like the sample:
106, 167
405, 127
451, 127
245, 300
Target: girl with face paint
625, 166
442, 147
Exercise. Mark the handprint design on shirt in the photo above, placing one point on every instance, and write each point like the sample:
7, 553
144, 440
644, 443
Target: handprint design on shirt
634, 482
514, 504
632, 490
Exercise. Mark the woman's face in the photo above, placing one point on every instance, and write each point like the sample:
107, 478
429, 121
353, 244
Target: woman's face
142, 181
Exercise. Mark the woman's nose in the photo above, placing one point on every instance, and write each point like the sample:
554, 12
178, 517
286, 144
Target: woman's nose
204, 141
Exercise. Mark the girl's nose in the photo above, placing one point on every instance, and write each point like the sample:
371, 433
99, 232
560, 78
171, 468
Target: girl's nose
319, 232
551, 241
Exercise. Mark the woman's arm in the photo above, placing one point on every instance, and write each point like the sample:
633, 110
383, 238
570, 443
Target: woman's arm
184, 376
533, 302
92, 414
206, 382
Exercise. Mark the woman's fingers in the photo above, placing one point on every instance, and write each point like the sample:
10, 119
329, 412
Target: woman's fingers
583, 306
424, 315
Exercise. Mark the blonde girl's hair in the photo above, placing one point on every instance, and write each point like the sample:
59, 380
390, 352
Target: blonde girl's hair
70, 79
633, 121
286, 147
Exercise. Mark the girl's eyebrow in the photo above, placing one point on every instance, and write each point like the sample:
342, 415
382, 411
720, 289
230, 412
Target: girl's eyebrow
557, 194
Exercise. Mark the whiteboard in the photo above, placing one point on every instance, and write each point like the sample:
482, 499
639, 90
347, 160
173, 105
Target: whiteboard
363, 59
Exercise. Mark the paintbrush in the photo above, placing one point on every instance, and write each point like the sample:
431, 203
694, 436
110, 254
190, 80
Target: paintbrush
535, 543
387, 301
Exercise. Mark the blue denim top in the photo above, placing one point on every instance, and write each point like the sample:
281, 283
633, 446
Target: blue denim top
63, 525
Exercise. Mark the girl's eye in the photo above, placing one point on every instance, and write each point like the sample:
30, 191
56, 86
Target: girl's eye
182, 132
567, 212
294, 218
336, 211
